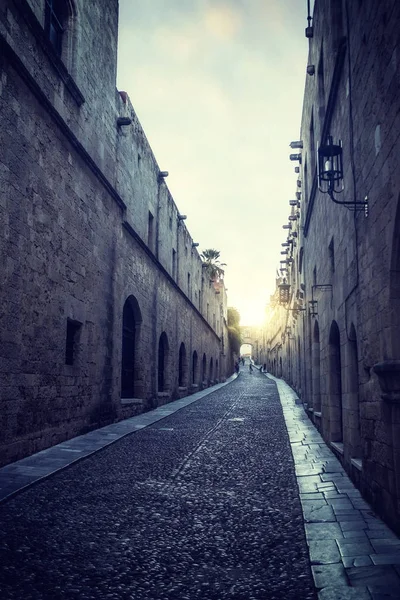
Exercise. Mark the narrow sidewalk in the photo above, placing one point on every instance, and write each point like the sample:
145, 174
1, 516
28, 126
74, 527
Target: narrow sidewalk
354, 555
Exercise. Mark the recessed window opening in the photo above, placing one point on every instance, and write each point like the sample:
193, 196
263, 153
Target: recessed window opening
72, 341
174, 263
331, 249
150, 231
56, 15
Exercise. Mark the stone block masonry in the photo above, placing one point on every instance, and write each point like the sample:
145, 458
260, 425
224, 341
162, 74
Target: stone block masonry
342, 351
103, 295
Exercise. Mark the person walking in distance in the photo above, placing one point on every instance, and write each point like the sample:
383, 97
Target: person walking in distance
250, 369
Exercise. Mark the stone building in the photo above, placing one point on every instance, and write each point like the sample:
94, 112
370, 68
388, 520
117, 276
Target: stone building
106, 310
334, 331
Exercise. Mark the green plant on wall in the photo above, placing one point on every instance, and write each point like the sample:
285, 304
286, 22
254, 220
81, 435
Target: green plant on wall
212, 264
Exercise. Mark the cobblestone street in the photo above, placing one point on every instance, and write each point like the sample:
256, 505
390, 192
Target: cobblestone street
202, 504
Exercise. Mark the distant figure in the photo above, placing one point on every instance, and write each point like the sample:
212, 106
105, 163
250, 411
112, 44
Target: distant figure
265, 367
243, 360
250, 368
237, 367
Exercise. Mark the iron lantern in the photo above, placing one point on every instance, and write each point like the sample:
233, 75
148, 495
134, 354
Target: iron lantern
284, 292
330, 167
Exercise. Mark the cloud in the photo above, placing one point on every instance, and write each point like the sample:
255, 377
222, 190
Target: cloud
222, 21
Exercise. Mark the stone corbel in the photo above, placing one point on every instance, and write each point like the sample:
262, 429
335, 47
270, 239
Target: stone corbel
388, 373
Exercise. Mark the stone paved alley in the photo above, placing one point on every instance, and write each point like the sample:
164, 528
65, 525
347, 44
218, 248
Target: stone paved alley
201, 504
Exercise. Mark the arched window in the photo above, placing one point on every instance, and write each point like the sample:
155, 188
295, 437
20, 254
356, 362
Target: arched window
131, 321
163, 351
182, 377
211, 372
217, 369
195, 367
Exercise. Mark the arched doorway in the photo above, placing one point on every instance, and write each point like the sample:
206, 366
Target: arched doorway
335, 385
163, 351
392, 350
195, 368
183, 366
131, 321
351, 391
316, 369
204, 370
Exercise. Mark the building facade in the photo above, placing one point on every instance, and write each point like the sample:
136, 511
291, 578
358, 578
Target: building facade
333, 331
106, 309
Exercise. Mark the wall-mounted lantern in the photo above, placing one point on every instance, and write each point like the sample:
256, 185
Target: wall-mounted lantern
330, 172
284, 292
330, 167
313, 307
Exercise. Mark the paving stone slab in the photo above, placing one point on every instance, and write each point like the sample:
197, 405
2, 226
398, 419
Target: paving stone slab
356, 534
322, 514
375, 575
323, 531
357, 561
386, 545
349, 547
312, 496
323, 552
357, 524
386, 559
344, 593
329, 575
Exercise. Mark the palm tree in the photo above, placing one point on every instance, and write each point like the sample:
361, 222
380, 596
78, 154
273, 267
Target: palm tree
212, 264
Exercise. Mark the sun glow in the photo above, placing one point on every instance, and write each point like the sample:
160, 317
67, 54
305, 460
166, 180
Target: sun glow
252, 313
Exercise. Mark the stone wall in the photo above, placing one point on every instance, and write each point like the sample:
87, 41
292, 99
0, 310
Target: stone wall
89, 234
346, 261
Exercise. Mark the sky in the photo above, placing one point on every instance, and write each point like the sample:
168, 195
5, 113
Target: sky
218, 86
